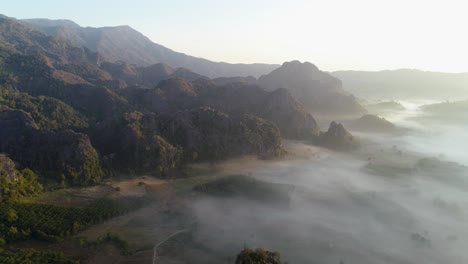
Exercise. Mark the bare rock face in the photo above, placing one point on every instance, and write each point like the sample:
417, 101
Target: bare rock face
337, 137
318, 91
7, 168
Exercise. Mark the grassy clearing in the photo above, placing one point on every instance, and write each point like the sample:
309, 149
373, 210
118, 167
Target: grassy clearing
73, 197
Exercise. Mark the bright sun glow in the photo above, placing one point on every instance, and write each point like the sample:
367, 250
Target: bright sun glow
334, 34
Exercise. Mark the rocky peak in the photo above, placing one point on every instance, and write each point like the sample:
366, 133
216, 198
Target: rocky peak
298, 66
337, 130
65, 151
7, 168
290, 116
337, 137
318, 91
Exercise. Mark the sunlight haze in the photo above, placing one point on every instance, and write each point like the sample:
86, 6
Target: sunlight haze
336, 34
233, 132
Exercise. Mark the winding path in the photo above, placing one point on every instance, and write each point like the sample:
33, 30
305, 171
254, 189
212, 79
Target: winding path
155, 254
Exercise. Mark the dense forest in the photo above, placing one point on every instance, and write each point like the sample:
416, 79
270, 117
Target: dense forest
69, 117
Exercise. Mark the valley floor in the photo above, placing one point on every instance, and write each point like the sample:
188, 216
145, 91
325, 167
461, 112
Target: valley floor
349, 206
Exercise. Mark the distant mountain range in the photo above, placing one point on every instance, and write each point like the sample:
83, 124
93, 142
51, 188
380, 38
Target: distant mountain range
405, 84
123, 43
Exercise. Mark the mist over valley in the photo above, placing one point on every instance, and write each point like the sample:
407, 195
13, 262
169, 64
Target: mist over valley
115, 149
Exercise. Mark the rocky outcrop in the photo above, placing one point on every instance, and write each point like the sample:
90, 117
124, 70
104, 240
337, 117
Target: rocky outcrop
16, 183
278, 107
292, 119
158, 142
210, 134
7, 168
338, 138
318, 91
134, 143
53, 153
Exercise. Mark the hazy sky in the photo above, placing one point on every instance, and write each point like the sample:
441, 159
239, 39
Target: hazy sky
334, 34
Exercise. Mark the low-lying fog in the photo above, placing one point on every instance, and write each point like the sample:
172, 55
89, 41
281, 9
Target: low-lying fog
380, 204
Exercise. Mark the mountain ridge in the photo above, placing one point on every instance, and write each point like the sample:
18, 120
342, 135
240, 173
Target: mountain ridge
404, 83
138, 49
150, 119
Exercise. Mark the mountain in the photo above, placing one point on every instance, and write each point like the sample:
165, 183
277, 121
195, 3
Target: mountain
278, 106
455, 112
318, 91
386, 106
75, 117
57, 118
23, 39
405, 84
338, 138
53, 153
123, 43
373, 123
